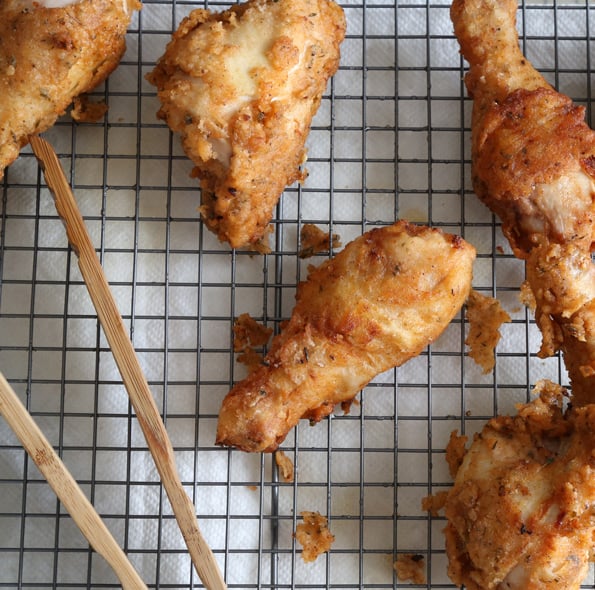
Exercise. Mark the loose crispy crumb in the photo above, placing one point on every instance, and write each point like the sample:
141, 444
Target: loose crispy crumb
434, 503
455, 451
410, 567
313, 240
485, 316
247, 335
285, 466
85, 111
313, 535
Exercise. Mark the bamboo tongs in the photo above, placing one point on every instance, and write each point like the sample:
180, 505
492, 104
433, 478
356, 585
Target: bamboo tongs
124, 354
64, 485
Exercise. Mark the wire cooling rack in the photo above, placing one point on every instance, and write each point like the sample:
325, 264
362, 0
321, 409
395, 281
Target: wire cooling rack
391, 140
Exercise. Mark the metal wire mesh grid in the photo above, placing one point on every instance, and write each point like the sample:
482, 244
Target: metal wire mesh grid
390, 141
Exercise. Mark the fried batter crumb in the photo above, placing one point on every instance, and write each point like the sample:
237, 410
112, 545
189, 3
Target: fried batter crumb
485, 316
434, 503
314, 240
410, 567
285, 466
455, 451
249, 334
85, 111
313, 535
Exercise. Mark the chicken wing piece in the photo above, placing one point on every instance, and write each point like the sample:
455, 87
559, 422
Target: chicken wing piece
521, 514
241, 87
533, 165
50, 52
377, 304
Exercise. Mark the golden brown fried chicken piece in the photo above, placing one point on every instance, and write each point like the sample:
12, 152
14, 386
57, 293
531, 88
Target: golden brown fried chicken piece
533, 159
242, 87
48, 56
521, 514
377, 304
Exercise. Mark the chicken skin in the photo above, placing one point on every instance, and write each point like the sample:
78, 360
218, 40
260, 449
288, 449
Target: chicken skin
50, 52
241, 87
521, 514
533, 163
378, 303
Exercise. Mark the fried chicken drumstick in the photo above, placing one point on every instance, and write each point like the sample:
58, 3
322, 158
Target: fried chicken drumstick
378, 303
521, 514
241, 87
533, 161
51, 52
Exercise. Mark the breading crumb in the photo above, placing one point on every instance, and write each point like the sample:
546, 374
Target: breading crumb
485, 316
434, 503
313, 535
285, 466
249, 334
85, 111
410, 567
314, 240
455, 451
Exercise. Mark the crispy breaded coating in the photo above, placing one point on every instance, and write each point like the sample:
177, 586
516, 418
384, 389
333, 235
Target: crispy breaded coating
521, 514
533, 163
241, 87
378, 303
48, 56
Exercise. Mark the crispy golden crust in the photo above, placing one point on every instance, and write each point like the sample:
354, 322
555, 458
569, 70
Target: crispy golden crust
531, 139
525, 135
241, 87
521, 512
378, 303
50, 55
533, 161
